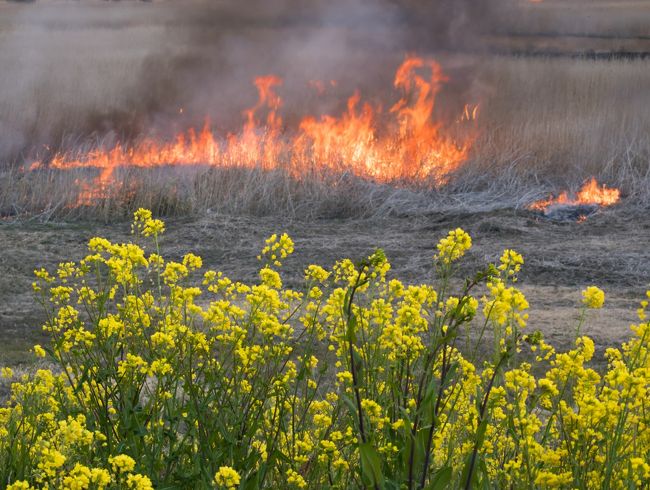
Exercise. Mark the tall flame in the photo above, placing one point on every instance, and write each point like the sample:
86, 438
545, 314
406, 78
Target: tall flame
403, 144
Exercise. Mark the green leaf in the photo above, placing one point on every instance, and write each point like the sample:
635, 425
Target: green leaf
441, 479
352, 328
358, 364
351, 405
252, 482
480, 433
421, 439
371, 465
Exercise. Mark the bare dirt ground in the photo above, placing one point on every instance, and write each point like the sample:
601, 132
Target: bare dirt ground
608, 250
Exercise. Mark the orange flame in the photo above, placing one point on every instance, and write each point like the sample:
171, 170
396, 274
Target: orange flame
405, 144
590, 193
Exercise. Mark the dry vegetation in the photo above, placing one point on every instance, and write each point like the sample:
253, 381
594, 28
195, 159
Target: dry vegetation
544, 123
596, 18
558, 121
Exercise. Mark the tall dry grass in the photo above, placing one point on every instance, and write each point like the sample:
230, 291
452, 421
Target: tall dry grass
544, 124
556, 122
610, 18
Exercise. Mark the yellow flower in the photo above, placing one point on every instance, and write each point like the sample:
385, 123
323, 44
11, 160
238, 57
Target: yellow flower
593, 297
7, 373
153, 227
294, 478
142, 215
100, 477
121, 463
20, 485
144, 223
78, 479
270, 278
316, 273
226, 477
50, 460
245, 354
174, 272
454, 246
260, 447
547, 479
511, 263
276, 249
139, 482
192, 262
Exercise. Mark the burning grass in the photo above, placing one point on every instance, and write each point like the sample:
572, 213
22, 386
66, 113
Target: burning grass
406, 145
343, 165
590, 194
542, 125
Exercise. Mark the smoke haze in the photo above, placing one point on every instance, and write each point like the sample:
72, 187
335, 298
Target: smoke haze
70, 71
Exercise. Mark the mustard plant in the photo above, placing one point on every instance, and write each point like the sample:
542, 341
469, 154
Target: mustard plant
167, 375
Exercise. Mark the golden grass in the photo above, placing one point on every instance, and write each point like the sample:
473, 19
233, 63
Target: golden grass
563, 120
70, 70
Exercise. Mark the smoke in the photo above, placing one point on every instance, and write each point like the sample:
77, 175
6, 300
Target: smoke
79, 71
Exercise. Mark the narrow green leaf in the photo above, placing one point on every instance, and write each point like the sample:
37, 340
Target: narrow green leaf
441, 479
371, 465
352, 329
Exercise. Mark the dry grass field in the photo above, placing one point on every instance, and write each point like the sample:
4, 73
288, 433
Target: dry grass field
562, 89
78, 76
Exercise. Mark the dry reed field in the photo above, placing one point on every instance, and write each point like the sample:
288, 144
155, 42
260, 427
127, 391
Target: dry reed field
543, 123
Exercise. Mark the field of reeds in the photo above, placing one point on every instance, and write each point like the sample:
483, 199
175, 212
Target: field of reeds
544, 123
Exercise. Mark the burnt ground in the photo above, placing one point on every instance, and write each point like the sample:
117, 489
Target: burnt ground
610, 250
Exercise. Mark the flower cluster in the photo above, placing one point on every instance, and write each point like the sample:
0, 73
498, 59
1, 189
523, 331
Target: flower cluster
454, 246
169, 376
593, 297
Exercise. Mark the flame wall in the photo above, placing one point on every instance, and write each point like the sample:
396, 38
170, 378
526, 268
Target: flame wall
75, 69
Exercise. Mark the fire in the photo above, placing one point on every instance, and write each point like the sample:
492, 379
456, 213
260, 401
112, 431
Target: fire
590, 194
401, 144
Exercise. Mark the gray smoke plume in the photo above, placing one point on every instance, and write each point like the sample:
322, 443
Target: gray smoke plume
74, 71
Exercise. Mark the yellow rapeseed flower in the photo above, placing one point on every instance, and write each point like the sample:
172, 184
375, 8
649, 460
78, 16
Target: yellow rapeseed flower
139, 482
453, 246
294, 478
121, 463
227, 477
593, 297
20, 485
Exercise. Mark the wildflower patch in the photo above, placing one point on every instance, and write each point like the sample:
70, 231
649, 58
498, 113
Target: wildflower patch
167, 375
